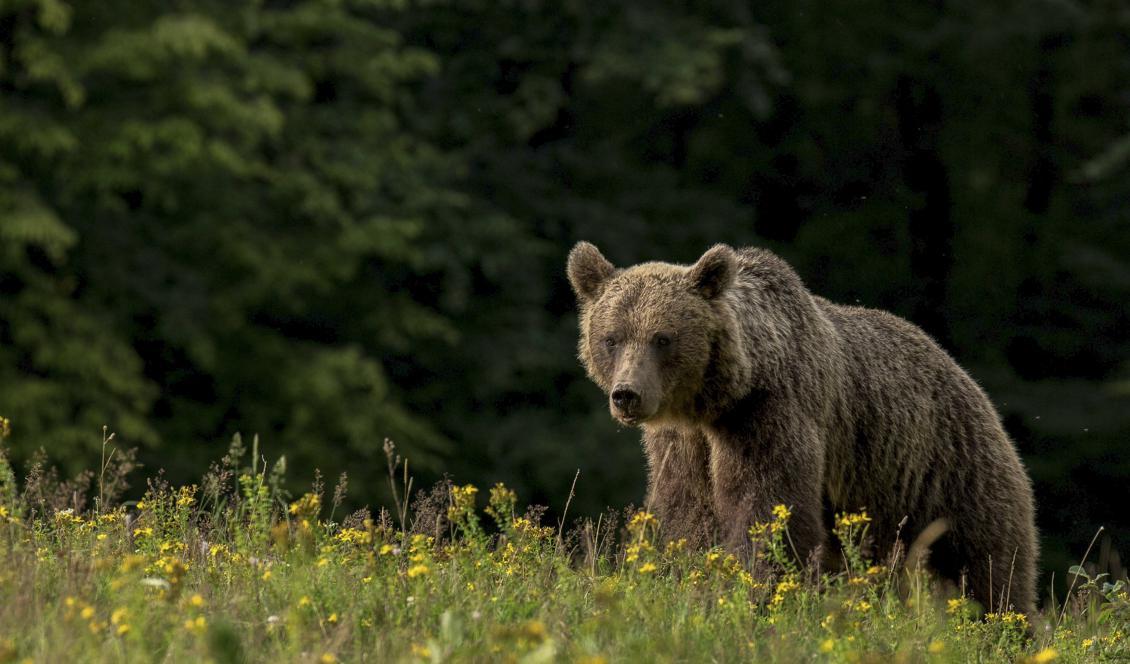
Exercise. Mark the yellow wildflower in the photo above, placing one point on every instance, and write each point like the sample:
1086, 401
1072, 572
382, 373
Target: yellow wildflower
1010, 618
641, 520
828, 645
327, 658
67, 516
501, 501
173, 568
863, 606
186, 496
848, 520
647, 568
307, 506
196, 600
935, 647
1044, 656
781, 513
420, 651
131, 562
463, 497
676, 546
197, 625
417, 570
534, 630
354, 536
787, 585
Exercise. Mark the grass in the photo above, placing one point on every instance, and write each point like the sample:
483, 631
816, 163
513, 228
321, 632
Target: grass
232, 569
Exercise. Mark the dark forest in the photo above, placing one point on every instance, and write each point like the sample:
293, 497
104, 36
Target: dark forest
332, 223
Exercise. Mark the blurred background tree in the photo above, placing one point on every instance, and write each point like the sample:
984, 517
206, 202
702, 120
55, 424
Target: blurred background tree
332, 222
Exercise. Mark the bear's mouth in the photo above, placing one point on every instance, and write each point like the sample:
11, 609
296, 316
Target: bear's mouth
631, 419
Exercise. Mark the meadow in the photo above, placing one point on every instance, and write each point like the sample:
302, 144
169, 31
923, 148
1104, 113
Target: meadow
234, 568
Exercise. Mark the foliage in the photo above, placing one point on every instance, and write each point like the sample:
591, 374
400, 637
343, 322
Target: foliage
190, 196
339, 222
232, 569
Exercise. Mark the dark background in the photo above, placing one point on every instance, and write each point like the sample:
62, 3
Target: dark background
332, 222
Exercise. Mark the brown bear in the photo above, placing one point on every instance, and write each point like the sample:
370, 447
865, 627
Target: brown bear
753, 392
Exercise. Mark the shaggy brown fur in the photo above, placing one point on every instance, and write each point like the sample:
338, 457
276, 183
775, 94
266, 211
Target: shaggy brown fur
753, 392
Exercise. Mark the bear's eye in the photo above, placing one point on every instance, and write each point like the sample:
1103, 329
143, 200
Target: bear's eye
610, 342
662, 340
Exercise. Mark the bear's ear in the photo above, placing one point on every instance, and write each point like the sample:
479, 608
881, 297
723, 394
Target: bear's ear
588, 269
714, 272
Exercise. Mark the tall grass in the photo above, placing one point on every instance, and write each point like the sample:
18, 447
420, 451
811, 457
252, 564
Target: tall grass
233, 569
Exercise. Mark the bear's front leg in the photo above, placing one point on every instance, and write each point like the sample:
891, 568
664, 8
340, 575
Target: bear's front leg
678, 484
757, 465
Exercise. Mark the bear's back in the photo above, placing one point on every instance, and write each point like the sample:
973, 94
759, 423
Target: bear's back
917, 428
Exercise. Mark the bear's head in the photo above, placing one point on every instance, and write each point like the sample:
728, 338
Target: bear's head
650, 334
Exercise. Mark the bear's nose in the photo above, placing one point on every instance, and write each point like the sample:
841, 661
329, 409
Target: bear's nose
625, 399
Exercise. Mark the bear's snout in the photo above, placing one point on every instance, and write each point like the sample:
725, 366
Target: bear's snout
626, 400
627, 404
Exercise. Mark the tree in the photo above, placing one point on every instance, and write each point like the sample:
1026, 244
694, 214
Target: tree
242, 215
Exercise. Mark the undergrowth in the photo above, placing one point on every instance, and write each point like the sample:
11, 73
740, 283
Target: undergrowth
233, 569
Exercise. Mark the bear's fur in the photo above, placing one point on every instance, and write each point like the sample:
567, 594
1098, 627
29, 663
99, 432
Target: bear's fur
752, 392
